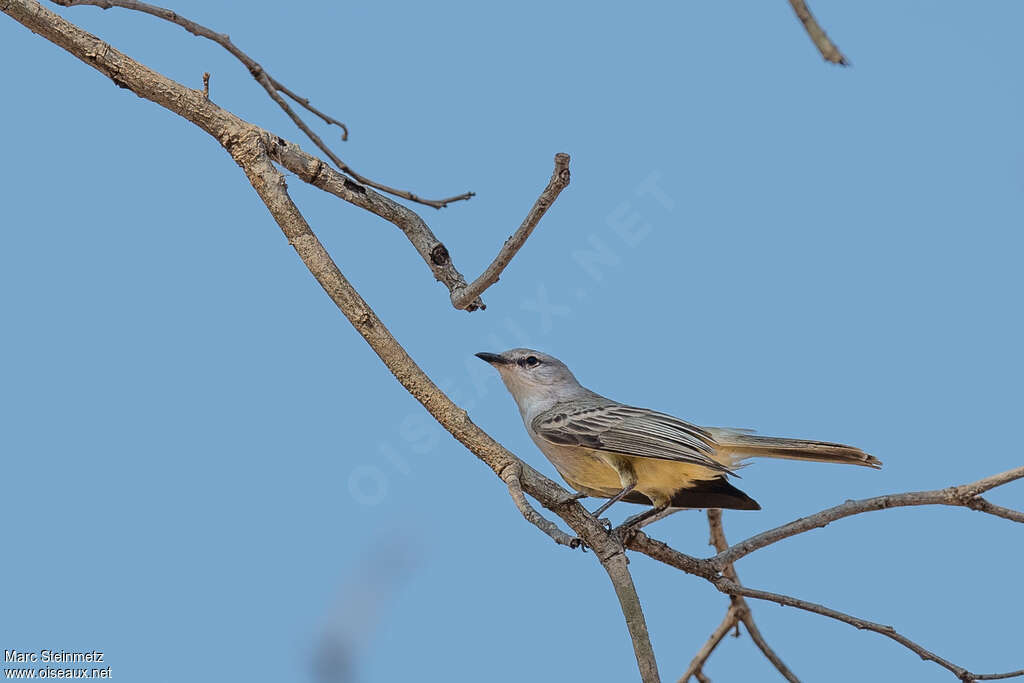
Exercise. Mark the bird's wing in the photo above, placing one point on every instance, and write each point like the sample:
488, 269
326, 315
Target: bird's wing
616, 428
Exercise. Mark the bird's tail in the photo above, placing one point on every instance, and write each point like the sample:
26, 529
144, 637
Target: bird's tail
741, 444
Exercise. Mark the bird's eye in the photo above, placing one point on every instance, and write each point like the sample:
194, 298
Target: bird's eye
532, 361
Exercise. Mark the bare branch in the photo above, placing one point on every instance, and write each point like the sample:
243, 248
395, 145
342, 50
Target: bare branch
728, 583
982, 505
730, 587
510, 475
697, 663
657, 550
955, 495
304, 101
618, 571
559, 181
825, 46
706, 569
317, 173
467, 297
272, 86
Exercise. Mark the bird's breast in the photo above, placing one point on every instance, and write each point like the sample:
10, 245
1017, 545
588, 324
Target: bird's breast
583, 470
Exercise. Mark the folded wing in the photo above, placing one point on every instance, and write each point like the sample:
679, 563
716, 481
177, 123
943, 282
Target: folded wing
604, 425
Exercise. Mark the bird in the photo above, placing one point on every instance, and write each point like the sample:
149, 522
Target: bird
606, 449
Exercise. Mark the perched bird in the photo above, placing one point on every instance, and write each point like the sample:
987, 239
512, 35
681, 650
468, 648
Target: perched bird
605, 449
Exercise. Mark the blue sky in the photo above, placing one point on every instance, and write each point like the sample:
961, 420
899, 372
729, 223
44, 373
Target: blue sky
207, 473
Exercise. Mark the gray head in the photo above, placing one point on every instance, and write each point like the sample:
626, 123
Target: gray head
534, 379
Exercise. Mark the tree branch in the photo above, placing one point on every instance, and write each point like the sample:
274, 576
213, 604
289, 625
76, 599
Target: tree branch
273, 88
559, 181
963, 496
730, 587
314, 171
704, 568
746, 615
709, 569
825, 46
434, 253
616, 567
982, 505
510, 475
697, 663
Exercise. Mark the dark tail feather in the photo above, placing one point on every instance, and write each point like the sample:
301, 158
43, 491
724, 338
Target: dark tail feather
714, 493
743, 445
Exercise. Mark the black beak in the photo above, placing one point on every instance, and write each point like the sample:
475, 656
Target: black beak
492, 358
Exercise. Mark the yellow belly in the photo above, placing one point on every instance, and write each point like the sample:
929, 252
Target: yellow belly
589, 472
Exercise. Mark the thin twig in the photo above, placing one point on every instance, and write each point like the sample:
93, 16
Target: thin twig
559, 181
825, 46
272, 86
697, 663
510, 475
955, 495
304, 101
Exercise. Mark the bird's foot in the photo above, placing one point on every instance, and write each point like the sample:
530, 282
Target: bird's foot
623, 531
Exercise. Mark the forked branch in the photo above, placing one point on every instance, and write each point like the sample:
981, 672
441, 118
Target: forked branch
559, 181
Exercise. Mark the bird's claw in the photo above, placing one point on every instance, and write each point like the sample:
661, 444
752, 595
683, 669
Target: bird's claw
578, 543
624, 531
